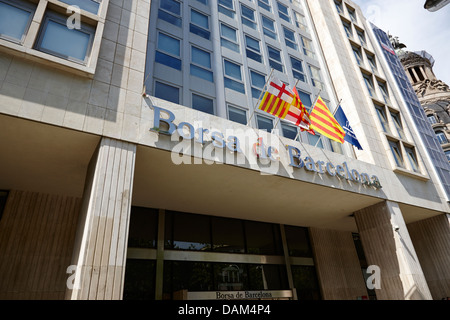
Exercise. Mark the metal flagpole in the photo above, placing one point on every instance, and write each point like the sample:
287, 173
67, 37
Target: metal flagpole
313, 105
260, 96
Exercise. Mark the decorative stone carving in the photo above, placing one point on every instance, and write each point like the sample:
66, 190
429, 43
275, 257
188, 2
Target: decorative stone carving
431, 86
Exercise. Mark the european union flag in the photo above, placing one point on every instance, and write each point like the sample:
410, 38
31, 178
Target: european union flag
350, 136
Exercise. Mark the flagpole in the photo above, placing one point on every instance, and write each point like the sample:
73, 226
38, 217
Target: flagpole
278, 120
260, 96
317, 99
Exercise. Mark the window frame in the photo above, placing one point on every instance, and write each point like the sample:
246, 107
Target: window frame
396, 151
239, 81
74, 4
412, 158
228, 11
229, 107
251, 23
283, 15
208, 69
25, 6
194, 26
169, 85
315, 80
295, 70
254, 87
171, 55
223, 38
259, 116
269, 32
271, 59
291, 43
252, 49
177, 17
203, 97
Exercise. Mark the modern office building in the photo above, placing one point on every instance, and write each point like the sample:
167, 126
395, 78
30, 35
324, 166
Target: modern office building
135, 164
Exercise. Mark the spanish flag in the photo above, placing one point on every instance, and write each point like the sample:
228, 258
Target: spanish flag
323, 122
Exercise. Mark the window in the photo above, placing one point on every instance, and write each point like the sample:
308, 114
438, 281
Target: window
233, 77
383, 119
308, 48
395, 149
297, 69
264, 123
143, 228
398, 124
269, 27
283, 12
237, 115
411, 155
275, 58
432, 119
265, 5
358, 56
306, 99
289, 38
199, 24
202, 104
168, 52
361, 36
447, 153
338, 5
369, 85
3, 198
315, 140
289, 131
166, 92
352, 14
229, 38
441, 137
372, 63
348, 29
205, 2
88, 5
15, 19
252, 49
258, 82
58, 40
227, 8
316, 79
170, 11
300, 21
384, 92
248, 17
201, 64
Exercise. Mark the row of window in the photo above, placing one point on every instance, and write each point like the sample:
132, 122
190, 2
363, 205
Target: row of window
55, 36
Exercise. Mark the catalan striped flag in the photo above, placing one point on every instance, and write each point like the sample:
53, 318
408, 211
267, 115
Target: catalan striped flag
280, 101
323, 122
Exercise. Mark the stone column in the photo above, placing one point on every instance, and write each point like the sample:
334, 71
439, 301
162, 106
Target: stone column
431, 238
100, 247
387, 244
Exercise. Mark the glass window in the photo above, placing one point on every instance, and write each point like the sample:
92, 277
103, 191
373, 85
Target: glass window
316, 78
3, 198
15, 19
201, 64
253, 50
186, 275
71, 44
447, 153
233, 77
205, 2
265, 5
264, 123
168, 52
306, 99
202, 104
297, 239
358, 56
263, 238
237, 115
308, 48
369, 84
289, 131
283, 12
140, 276
384, 92
383, 119
297, 69
411, 154
372, 63
441, 137
184, 231
432, 119
269, 27
398, 124
315, 140
258, 82
395, 149
300, 21
361, 36
348, 29
306, 283
248, 17
166, 92
289, 38
275, 58
227, 8
352, 14
199, 24
228, 235
143, 228
229, 38
88, 5
338, 5
170, 11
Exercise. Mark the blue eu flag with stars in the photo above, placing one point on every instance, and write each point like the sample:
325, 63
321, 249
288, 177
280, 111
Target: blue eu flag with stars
350, 136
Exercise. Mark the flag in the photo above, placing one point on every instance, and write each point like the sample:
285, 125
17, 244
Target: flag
279, 100
323, 122
350, 136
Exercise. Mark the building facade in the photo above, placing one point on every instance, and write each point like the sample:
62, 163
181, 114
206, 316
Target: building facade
137, 166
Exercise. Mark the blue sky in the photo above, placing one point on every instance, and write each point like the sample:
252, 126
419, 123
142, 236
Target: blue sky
416, 27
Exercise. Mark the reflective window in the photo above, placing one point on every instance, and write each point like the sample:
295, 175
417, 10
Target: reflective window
412, 158
384, 92
396, 152
229, 38
237, 115
186, 275
140, 276
441, 137
297, 69
348, 29
199, 24
283, 12
298, 243
447, 154
258, 82
305, 99
269, 27
15, 19
184, 231
432, 119
306, 283
168, 52
166, 92
253, 50
88, 5
315, 140
228, 235
369, 85
264, 123
71, 44
357, 54
308, 48
3, 198
233, 76
248, 17
383, 119
201, 64
300, 21
361, 36
289, 38
275, 58
202, 104
263, 238
316, 78
265, 5
398, 124
289, 131
170, 11
143, 228
227, 8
